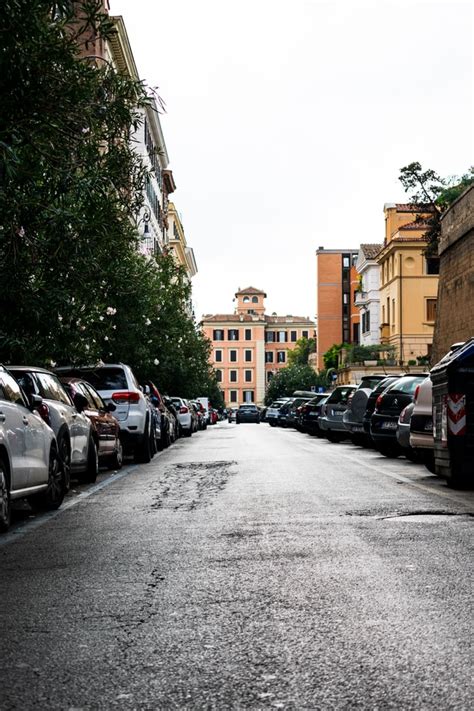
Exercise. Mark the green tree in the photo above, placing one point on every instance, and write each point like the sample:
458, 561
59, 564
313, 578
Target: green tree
294, 377
301, 352
434, 195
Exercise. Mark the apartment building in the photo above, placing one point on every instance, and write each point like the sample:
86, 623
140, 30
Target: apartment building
337, 317
367, 296
250, 346
408, 283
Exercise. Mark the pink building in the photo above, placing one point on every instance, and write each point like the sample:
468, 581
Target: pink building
249, 346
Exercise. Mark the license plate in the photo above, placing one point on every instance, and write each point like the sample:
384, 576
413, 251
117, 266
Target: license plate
357, 429
337, 413
389, 425
429, 426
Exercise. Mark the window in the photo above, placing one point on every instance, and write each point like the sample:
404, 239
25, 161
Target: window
233, 376
282, 337
10, 390
269, 357
270, 336
246, 299
305, 334
218, 334
233, 395
251, 312
355, 332
248, 395
219, 376
52, 389
233, 334
281, 356
93, 396
432, 265
248, 356
269, 376
248, 376
293, 336
393, 311
248, 334
218, 356
233, 356
431, 309
345, 298
254, 299
346, 262
366, 321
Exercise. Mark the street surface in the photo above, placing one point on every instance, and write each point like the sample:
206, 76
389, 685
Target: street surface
246, 568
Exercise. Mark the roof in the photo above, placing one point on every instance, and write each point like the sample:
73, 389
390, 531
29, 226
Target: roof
409, 207
250, 290
249, 318
370, 251
235, 318
289, 320
416, 225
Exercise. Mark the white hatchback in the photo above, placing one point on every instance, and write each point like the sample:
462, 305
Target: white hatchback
29, 461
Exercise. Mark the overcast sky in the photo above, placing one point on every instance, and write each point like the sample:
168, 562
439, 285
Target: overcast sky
288, 121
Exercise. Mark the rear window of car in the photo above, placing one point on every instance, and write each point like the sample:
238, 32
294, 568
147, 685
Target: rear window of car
251, 408
106, 378
340, 395
406, 385
369, 383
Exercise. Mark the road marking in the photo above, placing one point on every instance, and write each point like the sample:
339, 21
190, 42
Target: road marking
17, 533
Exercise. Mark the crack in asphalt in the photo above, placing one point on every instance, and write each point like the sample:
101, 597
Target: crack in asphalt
191, 485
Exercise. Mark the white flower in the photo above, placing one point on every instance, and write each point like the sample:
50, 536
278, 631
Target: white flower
52, 363
147, 322
101, 318
60, 318
87, 346
156, 361
110, 311
106, 338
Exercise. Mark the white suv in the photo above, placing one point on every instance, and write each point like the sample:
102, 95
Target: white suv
116, 383
29, 461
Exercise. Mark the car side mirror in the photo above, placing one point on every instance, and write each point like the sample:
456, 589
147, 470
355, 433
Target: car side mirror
80, 402
35, 401
110, 407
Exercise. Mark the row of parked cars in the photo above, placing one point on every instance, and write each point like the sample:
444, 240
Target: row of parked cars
65, 424
392, 413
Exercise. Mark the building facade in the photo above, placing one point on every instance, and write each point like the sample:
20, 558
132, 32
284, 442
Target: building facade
337, 317
250, 346
367, 296
408, 284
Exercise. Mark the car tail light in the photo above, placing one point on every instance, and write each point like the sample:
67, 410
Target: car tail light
183, 410
417, 390
126, 396
43, 412
378, 401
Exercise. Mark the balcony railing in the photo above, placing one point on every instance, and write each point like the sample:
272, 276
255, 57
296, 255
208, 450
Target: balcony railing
360, 297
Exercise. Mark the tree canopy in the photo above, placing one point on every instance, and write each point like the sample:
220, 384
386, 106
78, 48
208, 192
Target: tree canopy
302, 350
294, 377
75, 288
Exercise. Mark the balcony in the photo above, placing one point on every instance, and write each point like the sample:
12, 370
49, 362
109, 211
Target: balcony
361, 298
384, 332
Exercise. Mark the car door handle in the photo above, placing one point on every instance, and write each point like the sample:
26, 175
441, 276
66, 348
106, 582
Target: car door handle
2, 417
25, 420
74, 414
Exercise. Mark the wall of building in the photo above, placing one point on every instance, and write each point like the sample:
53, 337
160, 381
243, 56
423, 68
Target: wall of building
455, 315
370, 285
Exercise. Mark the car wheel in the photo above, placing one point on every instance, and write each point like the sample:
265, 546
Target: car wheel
5, 504
333, 436
116, 460
52, 498
389, 450
90, 475
429, 461
189, 432
64, 450
143, 453
359, 440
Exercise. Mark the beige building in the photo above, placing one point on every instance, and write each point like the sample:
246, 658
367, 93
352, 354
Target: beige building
250, 346
408, 284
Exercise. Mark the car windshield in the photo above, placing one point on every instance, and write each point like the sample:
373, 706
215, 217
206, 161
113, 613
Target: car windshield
406, 385
370, 383
340, 394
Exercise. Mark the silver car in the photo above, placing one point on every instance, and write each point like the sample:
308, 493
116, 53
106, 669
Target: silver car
116, 383
29, 461
76, 445
186, 416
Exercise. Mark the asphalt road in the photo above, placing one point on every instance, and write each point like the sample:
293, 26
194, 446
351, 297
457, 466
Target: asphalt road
246, 568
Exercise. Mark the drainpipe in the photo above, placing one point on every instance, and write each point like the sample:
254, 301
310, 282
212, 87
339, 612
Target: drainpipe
400, 308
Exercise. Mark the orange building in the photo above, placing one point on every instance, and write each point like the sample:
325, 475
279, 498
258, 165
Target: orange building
337, 317
249, 346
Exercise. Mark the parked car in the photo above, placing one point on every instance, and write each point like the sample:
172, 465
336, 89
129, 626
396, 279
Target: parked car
247, 413
295, 409
214, 416
73, 430
283, 413
271, 415
389, 404
116, 383
231, 412
105, 427
29, 460
372, 399
330, 420
310, 411
421, 425
173, 415
186, 416
403, 433
163, 421
201, 414
204, 401
353, 416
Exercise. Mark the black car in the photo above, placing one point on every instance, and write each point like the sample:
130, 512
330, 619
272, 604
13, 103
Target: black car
354, 414
283, 413
370, 407
247, 413
389, 404
294, 410
309, 413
